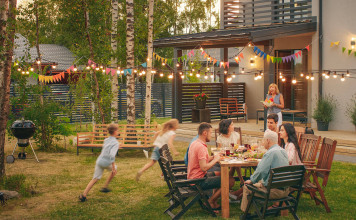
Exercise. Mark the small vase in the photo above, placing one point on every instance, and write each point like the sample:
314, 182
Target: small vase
200, 104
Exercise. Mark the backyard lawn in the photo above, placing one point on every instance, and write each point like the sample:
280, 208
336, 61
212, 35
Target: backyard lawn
60, 177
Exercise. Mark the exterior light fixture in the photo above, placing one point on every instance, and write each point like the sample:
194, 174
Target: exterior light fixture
301, 74
294, 81
161, 75
327, 76
335, 75
342, 77
284, 79
75, 68
87, 67
312, 77
243, 70
353, 43
347, 73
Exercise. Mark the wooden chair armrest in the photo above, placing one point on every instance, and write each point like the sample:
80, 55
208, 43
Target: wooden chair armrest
179, 169
181, 176
309, 162
256, 190
189, 182
317, 169
178, 162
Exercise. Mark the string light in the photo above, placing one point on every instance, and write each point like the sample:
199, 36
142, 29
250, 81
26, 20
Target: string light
284, 79
103, 70
301, 74
335, 75
101, 66
206, 76
75, 68
191, 63
135, 71
161, 75
23, 72
327, 76
180, 73
342, 77
190, 74
229, 79
97, 67
249, 44
31, 69
308, 76
207, 68
54, 66
193, 70
294, 81
19, 69
197, 75
312, 76
143, 72
347, 73
27, 72
170, 76
212, 76
324, 74
256, 77
225, 72
38, 60
201, 49
243, 70
163, 64
177, 65
88, 67
182, 76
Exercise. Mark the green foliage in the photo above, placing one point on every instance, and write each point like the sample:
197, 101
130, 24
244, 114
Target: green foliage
351, 110
141, 118
325, 109
17, 183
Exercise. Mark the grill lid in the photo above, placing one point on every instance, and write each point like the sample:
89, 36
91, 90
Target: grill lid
23, 129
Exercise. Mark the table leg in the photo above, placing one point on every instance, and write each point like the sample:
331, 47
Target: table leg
225, 206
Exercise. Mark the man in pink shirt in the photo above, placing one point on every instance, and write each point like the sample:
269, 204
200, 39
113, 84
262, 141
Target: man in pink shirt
200, 162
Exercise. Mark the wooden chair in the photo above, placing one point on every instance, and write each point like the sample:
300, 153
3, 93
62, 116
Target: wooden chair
309, 145
322, 170
181, 190
299, 131
281, 177
217, 133
230, 107
177, 165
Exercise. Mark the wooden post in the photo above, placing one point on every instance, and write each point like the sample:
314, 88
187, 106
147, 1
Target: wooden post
177, 87
225, 82
269, 72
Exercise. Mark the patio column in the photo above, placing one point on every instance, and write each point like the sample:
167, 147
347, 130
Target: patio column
269, 72
225, 82
177, 87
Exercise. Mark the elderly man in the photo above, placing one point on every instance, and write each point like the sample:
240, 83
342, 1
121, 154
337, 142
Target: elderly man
274, 157
200, 163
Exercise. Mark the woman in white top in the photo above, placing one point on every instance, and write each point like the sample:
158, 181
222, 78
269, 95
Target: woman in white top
227, 134
289, 142
165, 136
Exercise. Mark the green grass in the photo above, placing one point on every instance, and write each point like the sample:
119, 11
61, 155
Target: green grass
62, 177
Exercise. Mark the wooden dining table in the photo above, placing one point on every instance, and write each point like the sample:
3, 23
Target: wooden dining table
225, 165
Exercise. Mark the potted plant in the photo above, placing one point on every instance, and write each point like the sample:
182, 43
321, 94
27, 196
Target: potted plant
324, 111
351, 111
200, 100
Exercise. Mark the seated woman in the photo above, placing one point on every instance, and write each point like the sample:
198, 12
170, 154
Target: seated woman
227, 137
289, 142
227, 134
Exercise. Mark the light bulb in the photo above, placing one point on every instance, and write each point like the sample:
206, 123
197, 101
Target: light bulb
182, 76
161, 74
208, 69
280, 77
101, 66
27, 72
197, 75
302, 75
243, 70
312, 77
177, 64
212, 76
233, 76
19, 69
205, 77
54, 66
163, 64
342, 78
294, 81
307, 77
190, 74
31, 69
284, 79
88, 67
347, 73
335, 76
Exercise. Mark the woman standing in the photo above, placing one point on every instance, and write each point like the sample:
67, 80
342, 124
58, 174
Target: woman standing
278, 102
289, 142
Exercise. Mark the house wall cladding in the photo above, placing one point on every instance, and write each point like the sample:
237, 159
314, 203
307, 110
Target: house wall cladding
161, 101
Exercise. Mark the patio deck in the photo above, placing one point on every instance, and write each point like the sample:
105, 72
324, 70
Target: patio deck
346, 140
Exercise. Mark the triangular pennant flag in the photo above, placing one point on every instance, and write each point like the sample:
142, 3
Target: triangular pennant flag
144, 65
307, 47
51, 78
55, 77
90, 62
68, 70
193, 53
170, 61
350, 51
107, 71
331, 44
268, 57
355, 54
337, 43
254, 49
296, 54
228, 64
185, 57
218, 63
71, 68
279, 59
241, 55
165, 60
35, 75
203, 52
273, 59
343, 49
289, 58
221, 63
237, 59
300, 53
205, 55
214, 61
179, 59
283, 59
63, 75
258, 51
293, 56
113, 72
264, 56
40, 78
189, 54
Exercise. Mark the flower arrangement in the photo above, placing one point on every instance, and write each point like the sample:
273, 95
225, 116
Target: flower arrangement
268, 102
200, 97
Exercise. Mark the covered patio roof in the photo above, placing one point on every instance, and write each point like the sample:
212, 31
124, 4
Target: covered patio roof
236, 37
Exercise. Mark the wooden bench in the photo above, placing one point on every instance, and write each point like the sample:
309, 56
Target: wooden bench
129, 136
230, 107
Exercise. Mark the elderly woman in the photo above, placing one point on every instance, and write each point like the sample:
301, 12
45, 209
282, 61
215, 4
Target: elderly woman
227, 134
278, 102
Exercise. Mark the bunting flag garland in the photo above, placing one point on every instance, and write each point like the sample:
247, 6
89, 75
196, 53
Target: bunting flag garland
239, 57
284, 59
334, 43
349, 51
343, 49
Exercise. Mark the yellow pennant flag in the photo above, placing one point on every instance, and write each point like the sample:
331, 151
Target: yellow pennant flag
272, 59
268, 57
51, 78
40, 78
337, 43
165, 60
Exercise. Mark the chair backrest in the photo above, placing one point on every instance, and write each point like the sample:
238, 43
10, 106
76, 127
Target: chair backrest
168, 173
228, 105
299, 131
287, 176
166, 153
325, 159
162, 152
309, 144
237, 129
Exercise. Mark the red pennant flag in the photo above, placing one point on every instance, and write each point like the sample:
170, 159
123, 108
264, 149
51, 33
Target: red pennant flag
228, 64
300, 53
241, 55
68, 70
214, 61
307, 47
237, 59
55, 78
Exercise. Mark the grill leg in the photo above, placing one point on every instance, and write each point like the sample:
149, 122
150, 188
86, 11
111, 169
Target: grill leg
14, 149
34, 152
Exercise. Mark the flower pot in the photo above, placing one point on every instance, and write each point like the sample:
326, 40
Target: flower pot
322, 126
200, 104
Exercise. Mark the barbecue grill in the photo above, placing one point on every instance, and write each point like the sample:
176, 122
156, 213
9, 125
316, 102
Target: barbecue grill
23, 130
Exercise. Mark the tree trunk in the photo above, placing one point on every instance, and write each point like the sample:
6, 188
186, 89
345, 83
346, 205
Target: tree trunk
5, 71
149, 63
130, 61
114, 82
97, 92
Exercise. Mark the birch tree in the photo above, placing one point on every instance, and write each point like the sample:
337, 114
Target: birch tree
7, 36
149, 63
114, 82
130, 61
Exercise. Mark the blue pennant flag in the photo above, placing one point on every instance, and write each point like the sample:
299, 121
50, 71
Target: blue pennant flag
129, 71
264, 55
255, 48
258, 51
144, 65
218, 63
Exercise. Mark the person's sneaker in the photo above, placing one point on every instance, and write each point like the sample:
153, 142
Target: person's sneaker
105, 190
82, 198
138, 175
232, 196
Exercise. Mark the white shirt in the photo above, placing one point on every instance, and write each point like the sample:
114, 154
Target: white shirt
293, 157
163, 139
227, 141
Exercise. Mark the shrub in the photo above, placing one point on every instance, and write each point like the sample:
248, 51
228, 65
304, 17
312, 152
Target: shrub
351, 110
17, 183
325, 109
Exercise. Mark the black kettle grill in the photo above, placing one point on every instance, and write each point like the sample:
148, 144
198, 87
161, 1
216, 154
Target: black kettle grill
23, 130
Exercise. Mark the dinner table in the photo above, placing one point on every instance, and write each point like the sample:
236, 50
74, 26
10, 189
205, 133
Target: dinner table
225, 165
